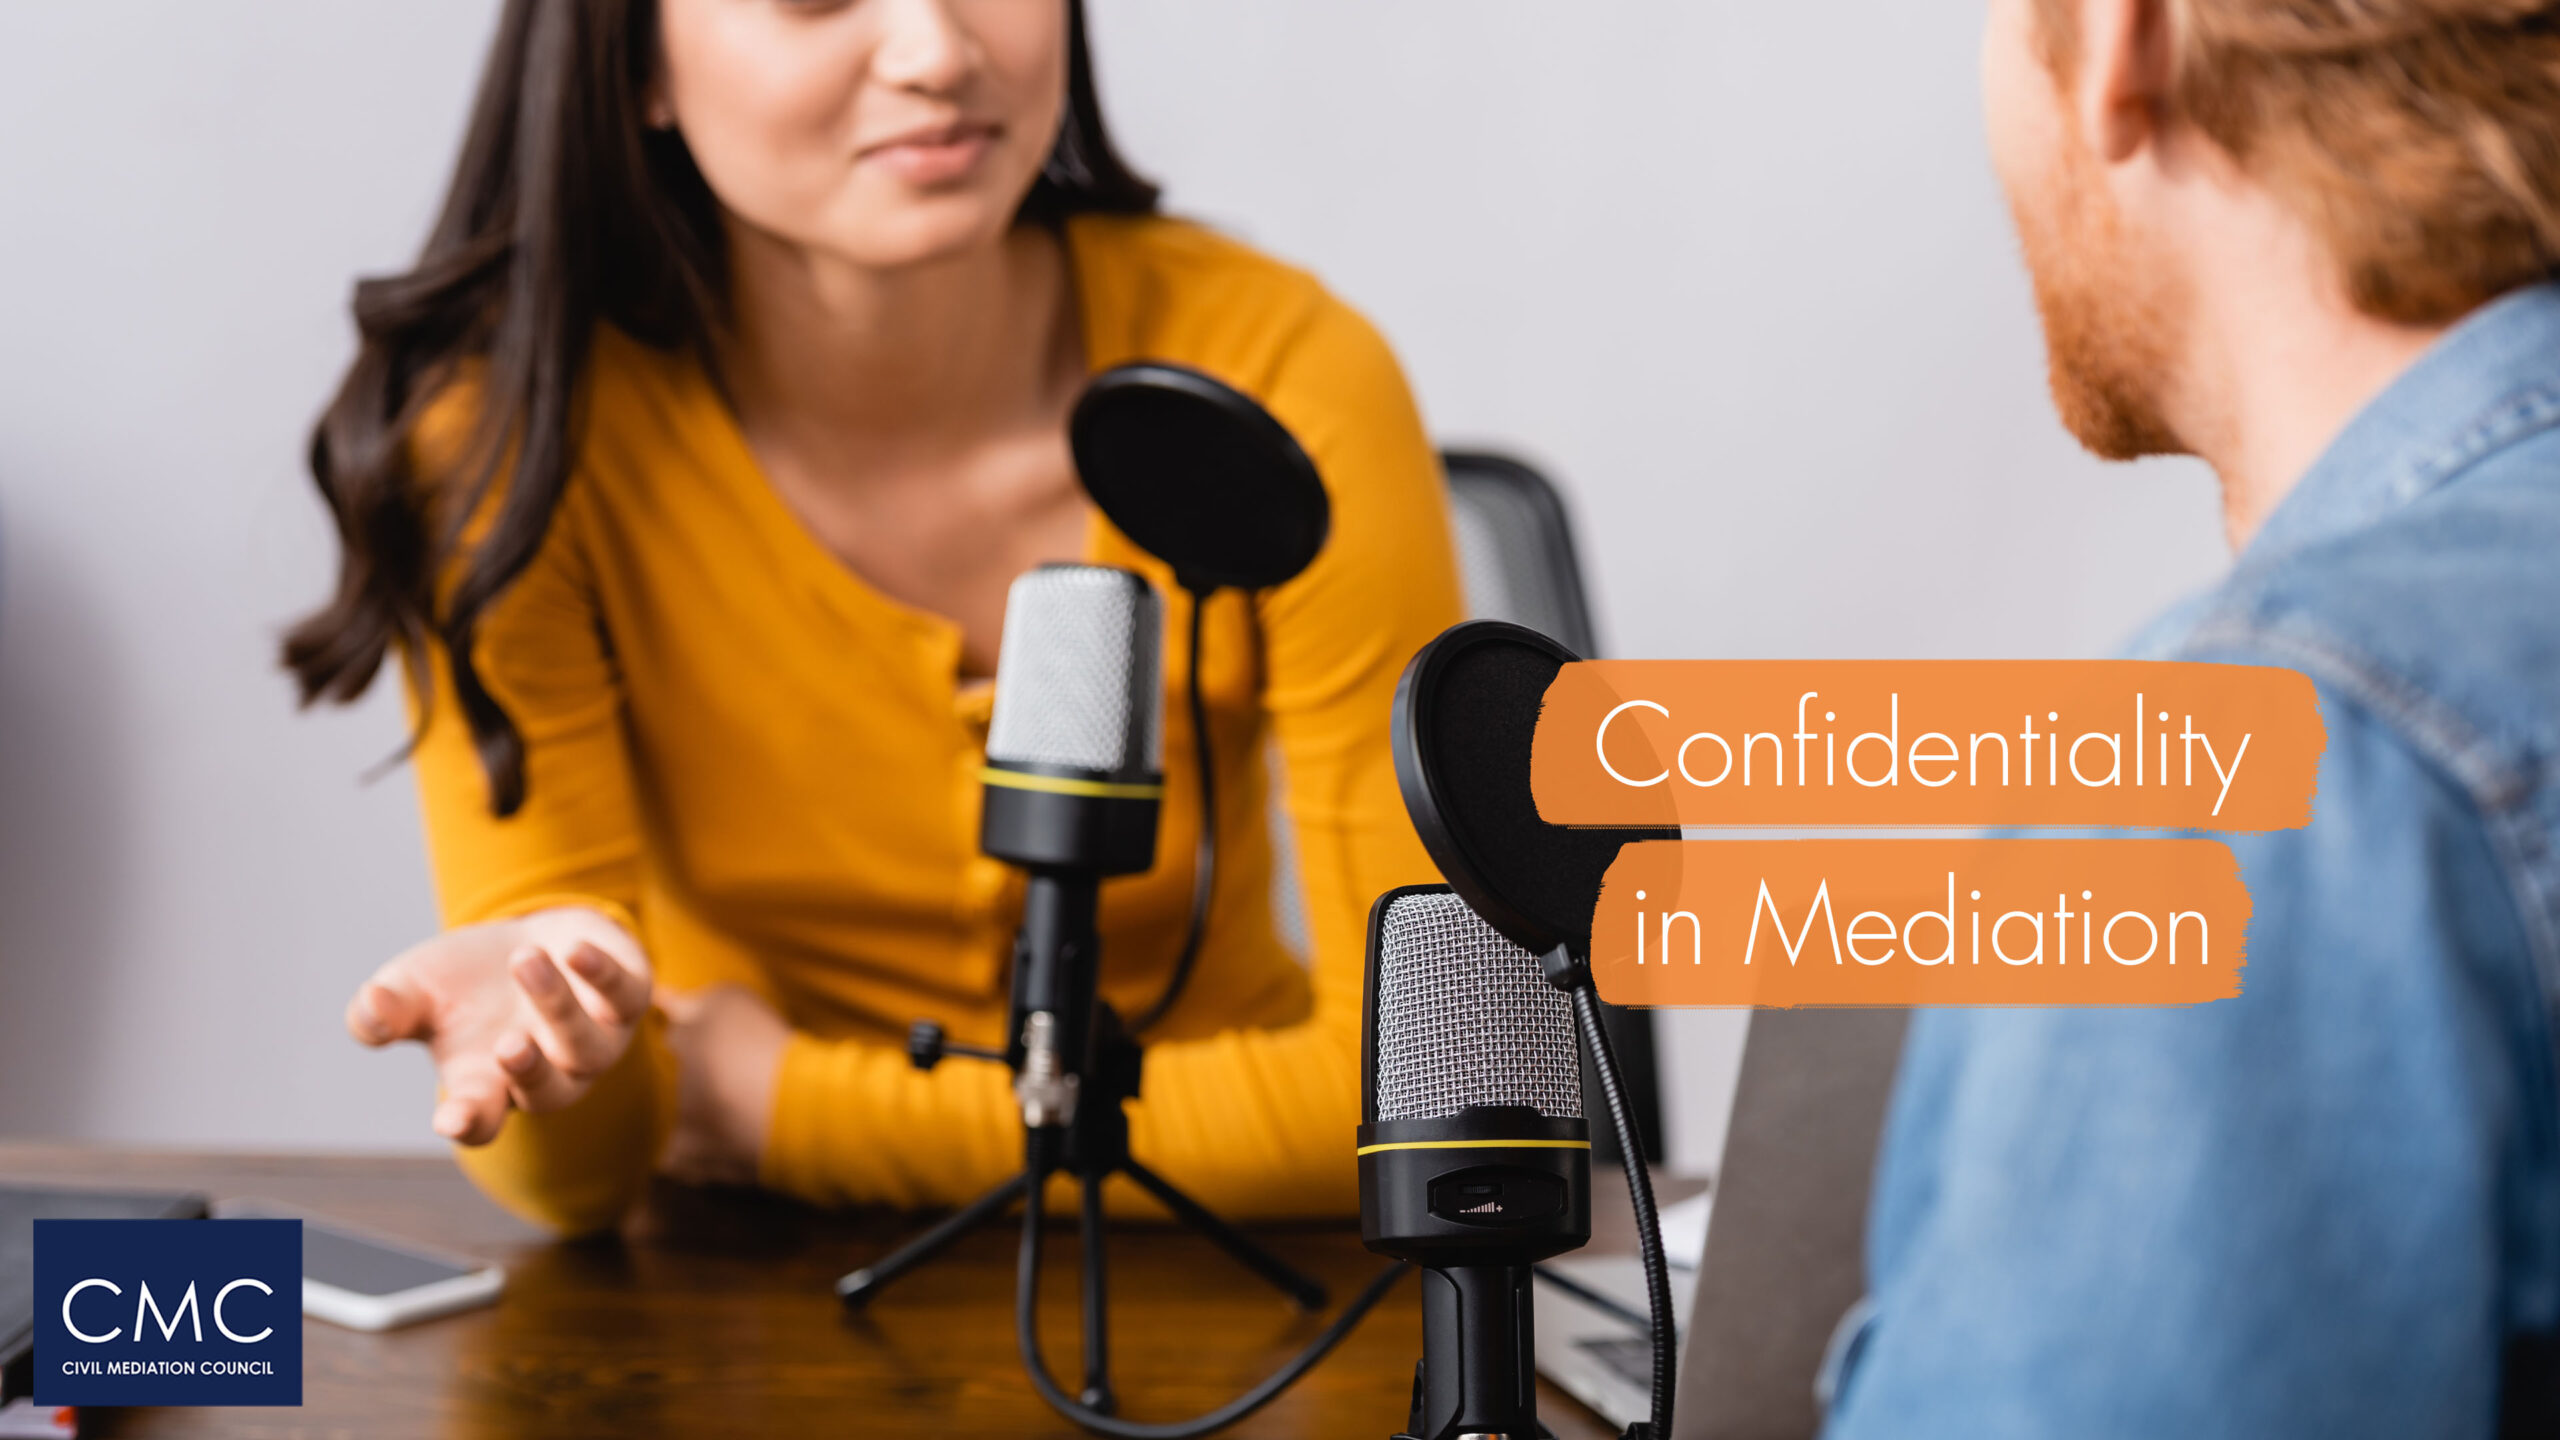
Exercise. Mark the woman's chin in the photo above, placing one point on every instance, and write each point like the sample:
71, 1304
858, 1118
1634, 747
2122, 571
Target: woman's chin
922, 230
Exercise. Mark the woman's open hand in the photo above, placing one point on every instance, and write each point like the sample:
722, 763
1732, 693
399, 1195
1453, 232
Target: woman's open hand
519, 1014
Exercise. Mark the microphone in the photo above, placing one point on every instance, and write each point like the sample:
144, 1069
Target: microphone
1475, 1161
1203, 478
1074, 776
1465, 718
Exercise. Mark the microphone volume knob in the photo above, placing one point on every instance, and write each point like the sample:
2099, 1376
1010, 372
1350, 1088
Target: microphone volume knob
928, 1046
925, 1044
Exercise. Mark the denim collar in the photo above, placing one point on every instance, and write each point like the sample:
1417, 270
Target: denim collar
2490, 381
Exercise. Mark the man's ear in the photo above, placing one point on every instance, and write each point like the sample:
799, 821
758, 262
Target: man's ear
2122, 88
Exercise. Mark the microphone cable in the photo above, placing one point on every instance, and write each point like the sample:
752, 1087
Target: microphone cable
1026, 1331
1657, 1268
1204, 865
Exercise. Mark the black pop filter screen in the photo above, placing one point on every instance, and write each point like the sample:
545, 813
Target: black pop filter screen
1199, 475
1465, 715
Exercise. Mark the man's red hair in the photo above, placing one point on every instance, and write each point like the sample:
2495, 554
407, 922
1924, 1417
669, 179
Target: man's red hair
2419, 138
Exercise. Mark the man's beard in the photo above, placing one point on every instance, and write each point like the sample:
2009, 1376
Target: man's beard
2107, 336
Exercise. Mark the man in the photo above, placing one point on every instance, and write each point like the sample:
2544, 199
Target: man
2309, 241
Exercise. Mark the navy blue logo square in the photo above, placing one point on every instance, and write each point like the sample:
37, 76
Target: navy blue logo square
168, 1312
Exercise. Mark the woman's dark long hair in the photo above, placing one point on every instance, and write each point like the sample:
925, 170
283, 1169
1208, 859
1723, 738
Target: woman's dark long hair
566, 209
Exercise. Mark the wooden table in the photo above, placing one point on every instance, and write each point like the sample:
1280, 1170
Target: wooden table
713, 1315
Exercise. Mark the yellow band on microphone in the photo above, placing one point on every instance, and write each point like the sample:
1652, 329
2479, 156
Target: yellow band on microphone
1063, 785
1475, 1145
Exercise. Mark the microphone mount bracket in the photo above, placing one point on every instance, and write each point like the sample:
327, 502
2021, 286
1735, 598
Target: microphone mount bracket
1565, 970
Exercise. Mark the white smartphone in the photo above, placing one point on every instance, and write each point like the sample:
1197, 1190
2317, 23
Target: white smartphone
366, 1282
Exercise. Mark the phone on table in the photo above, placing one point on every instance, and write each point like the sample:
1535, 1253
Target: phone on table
368, 1282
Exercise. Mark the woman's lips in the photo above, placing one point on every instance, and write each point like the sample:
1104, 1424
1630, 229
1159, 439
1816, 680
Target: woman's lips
934, 157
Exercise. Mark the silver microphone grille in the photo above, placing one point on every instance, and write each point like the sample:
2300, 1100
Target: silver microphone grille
1465, 1017
1080, 682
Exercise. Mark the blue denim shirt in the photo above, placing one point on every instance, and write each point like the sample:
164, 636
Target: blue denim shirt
2331, 1206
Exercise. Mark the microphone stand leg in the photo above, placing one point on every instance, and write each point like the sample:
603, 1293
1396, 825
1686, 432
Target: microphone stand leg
1289, 1281
1097, 1342
858, 1288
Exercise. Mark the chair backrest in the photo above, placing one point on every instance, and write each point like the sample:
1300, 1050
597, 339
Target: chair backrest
1516, 560
1515, 548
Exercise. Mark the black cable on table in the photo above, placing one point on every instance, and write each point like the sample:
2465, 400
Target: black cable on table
1026, 1317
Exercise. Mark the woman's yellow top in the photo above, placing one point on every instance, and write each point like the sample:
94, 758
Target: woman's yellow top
769, 770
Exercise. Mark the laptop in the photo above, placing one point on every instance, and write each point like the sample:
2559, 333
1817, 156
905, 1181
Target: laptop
1772, 1261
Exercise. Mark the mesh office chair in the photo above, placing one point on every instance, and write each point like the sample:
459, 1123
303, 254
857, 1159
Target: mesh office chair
1516, 561
1515, 548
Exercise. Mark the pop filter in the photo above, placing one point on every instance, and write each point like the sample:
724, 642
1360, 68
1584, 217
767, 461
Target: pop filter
1465, 712
1199, 475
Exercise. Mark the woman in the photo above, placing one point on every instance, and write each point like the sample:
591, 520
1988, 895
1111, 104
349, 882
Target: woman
686, 474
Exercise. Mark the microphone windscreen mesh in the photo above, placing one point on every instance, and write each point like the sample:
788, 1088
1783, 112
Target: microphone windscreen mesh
1080, 682
1465, 1017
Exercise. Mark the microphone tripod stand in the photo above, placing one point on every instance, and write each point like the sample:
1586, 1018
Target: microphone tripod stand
1075, 1069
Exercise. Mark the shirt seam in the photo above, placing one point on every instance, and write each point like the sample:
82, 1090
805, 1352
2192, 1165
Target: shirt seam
2499, 792
2516, 417
2500, 796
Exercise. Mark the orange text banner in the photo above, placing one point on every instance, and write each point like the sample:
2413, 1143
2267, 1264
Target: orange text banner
2168, 744
1783, 923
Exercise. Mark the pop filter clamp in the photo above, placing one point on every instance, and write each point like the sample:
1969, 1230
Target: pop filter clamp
1466, 711
1203, 478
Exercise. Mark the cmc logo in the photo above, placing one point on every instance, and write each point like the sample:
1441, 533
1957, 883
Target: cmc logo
168, 1324
168, 1312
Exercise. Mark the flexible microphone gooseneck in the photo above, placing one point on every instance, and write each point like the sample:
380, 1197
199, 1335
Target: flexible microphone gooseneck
1475, 1162
1466, 711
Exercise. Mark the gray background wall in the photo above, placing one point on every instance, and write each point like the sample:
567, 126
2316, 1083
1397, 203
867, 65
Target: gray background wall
1737, 273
